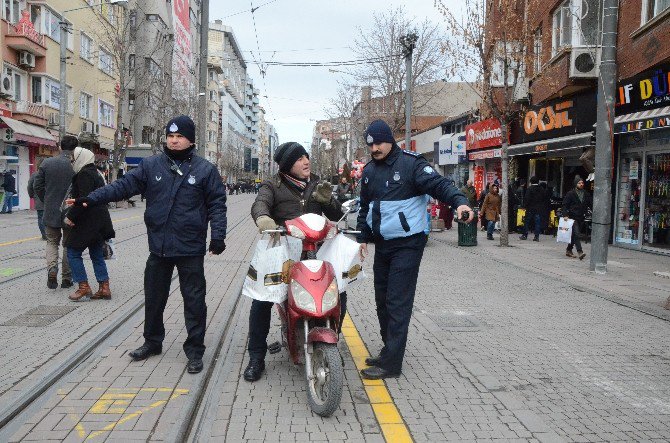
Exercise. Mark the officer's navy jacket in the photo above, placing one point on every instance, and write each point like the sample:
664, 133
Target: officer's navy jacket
178, 206
394, 195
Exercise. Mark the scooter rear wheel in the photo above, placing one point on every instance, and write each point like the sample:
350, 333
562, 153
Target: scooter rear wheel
324, 390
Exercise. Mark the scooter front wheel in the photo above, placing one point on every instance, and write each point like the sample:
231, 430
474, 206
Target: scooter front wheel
324, 389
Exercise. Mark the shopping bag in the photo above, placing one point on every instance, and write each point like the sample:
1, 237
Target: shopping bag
109, 250
342, 253
552, 219
520, 215
268, 271
564, 233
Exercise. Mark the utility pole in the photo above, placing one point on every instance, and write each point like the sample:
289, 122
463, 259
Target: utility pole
64, 29
203, 80
602, 194
408, 43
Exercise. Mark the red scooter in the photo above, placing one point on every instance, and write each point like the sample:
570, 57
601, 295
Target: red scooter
311, 314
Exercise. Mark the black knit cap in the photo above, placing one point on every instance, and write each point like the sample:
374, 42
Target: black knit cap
287, 154
379, 132
181, 125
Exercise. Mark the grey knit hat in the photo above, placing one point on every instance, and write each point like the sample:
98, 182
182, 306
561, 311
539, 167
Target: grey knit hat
287, 154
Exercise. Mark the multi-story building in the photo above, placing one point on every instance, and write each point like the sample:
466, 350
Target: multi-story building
251, 114
213, 115
273, 142
263, 144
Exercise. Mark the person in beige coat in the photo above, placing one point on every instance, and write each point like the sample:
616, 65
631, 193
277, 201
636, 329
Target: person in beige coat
491, 209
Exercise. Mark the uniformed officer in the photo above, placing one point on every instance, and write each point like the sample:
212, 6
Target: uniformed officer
183, 193
395, 189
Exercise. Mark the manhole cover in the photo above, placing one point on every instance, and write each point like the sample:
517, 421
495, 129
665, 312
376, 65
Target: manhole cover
40, 316
454, 321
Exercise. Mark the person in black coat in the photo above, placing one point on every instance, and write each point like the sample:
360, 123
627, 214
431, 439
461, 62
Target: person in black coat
88, 228
9, 185
534, 203
576, 204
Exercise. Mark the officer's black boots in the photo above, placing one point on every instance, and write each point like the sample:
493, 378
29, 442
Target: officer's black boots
194, 365
144, 352
372, 361
376, 373
254, 370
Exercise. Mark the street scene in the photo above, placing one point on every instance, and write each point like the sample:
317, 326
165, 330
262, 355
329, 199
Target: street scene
335, 221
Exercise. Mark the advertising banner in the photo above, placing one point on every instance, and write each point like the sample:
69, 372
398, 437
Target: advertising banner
182, 53
648, 90
483, 134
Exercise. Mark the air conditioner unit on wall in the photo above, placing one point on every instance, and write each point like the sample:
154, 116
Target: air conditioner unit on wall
97, 129
87, 126
521, 90
26, 59
6, 86
584, 62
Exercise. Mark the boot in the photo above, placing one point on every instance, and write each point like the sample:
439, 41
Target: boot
104, 293
52, 281
83, 293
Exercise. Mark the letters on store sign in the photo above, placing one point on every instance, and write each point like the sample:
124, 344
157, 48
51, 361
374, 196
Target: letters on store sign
540, 148
548, 118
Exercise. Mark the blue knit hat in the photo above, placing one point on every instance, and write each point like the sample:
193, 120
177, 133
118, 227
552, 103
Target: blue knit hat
181, 125
378, 132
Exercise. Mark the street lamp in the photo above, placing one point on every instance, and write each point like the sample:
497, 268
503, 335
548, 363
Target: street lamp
63, 58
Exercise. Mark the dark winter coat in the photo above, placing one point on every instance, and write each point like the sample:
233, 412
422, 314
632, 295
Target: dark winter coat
51, 182
92, 225
9, 184
575, 208
535, 200
281, 201
179, 207
39, 204
471, 194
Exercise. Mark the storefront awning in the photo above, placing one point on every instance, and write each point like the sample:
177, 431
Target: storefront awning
643, 120
554, 144
29, 133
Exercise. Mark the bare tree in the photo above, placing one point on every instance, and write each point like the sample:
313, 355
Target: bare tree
487, 47
341, 110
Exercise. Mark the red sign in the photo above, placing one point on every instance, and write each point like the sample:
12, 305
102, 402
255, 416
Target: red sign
5, 112
481, 155
479, 179
483, 134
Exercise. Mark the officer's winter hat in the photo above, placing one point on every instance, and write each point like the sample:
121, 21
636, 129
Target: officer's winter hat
379, 132
287, 154
181, 125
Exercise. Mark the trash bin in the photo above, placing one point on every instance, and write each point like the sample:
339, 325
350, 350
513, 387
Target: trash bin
467, 233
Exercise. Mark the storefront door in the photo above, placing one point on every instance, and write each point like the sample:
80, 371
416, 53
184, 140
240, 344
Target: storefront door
629, 199
657, 202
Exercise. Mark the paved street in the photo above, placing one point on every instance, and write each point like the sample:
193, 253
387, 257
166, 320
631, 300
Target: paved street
514, 344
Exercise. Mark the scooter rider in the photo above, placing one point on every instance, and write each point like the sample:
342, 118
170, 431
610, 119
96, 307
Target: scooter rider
393, 216
294, 191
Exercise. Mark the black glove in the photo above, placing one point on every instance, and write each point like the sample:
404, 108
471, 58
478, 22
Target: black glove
81, 200
216, 247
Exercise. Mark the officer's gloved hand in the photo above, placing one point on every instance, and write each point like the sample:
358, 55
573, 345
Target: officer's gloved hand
323, 193
216, 247
82, 201
265, 223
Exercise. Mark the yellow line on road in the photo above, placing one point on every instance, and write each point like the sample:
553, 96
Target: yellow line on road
38, 237
390, 421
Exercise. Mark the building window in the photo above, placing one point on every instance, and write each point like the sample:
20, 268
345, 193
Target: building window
105, 114
147, 133
652, 8
576, 23
85, 105
37, 89
562, 26
105, 61
537, 50
131, 63
506, 54
85, 47
11, 12
131, 99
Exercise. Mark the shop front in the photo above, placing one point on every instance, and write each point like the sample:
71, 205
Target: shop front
549, 140
450, 157
482, 143
642, 123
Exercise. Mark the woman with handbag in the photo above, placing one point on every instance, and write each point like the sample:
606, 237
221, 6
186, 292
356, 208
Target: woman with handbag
89, 227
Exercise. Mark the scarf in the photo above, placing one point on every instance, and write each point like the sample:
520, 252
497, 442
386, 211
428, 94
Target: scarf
80, 158
580, 194
300, 185
179, 155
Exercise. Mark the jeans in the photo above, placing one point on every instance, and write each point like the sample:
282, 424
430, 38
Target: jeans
537, 222
490, 227
77, 263
40, 222
7, 204
54, 236
575, 241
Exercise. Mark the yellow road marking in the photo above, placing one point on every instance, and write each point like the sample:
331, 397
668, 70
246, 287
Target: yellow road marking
35, 238
390, 421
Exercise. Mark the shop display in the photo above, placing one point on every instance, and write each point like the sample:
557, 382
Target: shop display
628, 222
657, 201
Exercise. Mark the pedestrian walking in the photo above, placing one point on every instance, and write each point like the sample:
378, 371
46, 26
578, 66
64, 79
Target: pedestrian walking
39, 204
344, 190
534, 202
480, 203
51, 184
9, 185
576, 204
470, 193
87, 228
183, 193
393, 215
292, 192
491, 209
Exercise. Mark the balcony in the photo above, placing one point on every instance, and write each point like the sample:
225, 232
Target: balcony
34, 113
24, 37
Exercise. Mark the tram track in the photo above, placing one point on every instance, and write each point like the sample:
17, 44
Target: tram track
32, 394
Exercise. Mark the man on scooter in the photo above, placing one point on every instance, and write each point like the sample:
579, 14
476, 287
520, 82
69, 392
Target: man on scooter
294, 191
395, 188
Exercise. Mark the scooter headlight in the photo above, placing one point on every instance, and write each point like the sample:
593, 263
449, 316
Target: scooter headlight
330, 297
296, 232
303, 299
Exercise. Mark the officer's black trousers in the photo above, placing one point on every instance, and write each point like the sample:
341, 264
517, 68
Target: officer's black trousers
157, 278
259, 325
396, 270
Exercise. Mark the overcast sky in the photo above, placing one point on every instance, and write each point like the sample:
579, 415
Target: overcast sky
303, 31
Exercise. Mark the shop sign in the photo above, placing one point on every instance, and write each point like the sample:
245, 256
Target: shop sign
450, 150
482, 155
479, 180
557, 118
647, 90
634, 170
483, 134
650, 123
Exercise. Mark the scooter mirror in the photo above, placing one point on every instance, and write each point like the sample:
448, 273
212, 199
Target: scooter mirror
350, 205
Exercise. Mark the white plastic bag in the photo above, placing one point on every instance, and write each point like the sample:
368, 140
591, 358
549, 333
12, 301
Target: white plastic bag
564, 233
269, 267
342, 253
